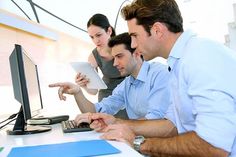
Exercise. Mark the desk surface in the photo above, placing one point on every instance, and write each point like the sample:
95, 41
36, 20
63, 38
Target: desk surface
57, 136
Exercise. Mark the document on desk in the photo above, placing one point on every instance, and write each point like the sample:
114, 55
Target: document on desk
69, 149
85, 68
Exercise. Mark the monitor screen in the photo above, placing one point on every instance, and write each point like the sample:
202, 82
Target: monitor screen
26, 89
32, 85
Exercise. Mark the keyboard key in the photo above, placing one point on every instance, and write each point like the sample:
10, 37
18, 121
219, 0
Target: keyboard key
69, 126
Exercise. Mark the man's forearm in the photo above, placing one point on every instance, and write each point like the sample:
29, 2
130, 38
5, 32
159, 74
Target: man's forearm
188, 144
91, 91
84, 104
151, 128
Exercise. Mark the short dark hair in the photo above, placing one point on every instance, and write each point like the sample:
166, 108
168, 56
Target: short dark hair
147, 12
123, 38
100, 20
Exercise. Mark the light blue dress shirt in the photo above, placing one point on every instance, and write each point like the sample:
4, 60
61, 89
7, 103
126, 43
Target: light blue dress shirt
148, 96
203, 88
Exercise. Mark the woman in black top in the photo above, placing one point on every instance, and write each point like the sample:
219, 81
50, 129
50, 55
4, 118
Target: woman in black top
100, 31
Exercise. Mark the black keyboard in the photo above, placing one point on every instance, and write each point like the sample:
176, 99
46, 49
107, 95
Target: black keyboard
69, 126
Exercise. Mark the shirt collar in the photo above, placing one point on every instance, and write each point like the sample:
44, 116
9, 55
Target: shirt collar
178, 49
143, 72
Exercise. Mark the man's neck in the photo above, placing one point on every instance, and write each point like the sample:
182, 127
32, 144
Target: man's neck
137, 68
170, 42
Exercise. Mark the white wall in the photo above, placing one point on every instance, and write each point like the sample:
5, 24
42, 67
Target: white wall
231, 41
52, 57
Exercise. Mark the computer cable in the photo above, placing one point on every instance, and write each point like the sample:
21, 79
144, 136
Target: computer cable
10, 117
7, 123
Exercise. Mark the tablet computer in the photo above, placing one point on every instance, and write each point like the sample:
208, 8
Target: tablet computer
85, 68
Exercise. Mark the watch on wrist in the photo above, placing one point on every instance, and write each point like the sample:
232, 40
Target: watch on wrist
138, 140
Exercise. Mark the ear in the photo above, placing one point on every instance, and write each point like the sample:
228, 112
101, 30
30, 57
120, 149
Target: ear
158, 29
109, 31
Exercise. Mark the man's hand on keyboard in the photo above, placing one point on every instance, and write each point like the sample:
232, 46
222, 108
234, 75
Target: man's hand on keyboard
101, 120
84, 117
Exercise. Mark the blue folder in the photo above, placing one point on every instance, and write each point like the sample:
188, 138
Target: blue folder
70, 149
1, 148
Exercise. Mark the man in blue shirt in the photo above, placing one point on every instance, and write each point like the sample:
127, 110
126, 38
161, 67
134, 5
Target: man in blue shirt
144, 93
201, 120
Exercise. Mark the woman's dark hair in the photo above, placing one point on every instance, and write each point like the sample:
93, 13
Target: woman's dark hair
100, 20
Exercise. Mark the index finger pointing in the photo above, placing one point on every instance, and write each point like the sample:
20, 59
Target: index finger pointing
56, 85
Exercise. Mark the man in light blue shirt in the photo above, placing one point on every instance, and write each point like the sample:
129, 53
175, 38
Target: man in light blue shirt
144, 93
204, 93
146, 96
201, 121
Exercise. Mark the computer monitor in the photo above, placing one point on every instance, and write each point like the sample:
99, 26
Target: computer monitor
26, 89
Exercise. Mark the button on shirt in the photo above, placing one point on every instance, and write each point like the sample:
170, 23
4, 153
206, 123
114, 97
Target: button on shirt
203, 76
147, 96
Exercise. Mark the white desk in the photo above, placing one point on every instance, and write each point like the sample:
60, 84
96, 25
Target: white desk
57, 136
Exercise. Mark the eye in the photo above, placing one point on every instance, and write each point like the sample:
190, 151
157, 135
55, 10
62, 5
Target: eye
91, 36
98, 35
134, 36
119, 56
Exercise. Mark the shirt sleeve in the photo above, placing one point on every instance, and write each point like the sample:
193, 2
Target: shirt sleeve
159, 97
213, 98
113, 103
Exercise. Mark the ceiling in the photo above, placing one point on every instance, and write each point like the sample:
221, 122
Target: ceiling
69, 16
72, 15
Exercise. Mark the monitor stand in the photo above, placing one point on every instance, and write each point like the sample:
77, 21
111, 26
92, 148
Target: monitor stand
29, 130
21, 128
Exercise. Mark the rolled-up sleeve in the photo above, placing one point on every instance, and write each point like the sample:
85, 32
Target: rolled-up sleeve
214, 103
216, 120
113, 103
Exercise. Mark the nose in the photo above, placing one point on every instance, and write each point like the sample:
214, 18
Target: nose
95, 40
115, 62
133, 43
